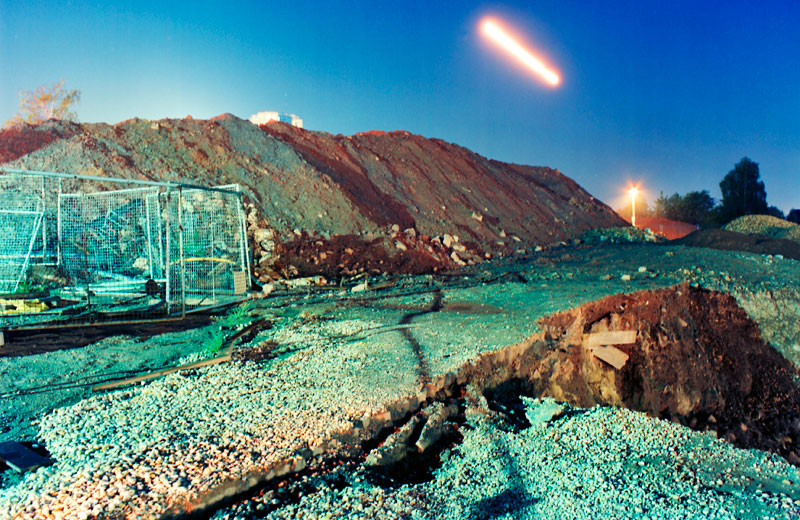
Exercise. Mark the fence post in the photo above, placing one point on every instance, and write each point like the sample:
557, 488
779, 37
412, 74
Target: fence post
168, 264
180, 249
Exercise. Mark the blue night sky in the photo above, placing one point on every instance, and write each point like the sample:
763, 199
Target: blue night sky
670, 94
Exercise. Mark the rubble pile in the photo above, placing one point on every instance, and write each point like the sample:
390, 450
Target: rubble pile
619, 235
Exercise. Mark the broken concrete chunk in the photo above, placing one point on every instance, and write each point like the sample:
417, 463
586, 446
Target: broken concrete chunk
395, 447
455, 258
435, 426
21, 458
542, 411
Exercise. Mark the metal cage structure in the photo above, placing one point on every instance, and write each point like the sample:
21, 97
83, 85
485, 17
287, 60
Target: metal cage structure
83, 250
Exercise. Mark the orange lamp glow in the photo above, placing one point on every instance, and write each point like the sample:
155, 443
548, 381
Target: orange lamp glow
633, 192
493, 31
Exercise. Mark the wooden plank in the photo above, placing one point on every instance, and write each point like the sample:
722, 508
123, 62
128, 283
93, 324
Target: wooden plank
20, 458
239, 282
224, 357
152, 375
610, 337
611, 355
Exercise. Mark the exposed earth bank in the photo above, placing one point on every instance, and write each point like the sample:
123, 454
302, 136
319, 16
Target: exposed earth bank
304, 184
697, 359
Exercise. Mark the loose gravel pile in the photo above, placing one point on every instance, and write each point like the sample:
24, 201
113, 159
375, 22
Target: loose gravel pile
597, 463
620, 235
766, 225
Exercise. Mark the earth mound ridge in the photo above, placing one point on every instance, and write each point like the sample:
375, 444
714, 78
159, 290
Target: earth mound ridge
307, 182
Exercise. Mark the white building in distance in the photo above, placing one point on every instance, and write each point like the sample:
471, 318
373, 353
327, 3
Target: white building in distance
263, 118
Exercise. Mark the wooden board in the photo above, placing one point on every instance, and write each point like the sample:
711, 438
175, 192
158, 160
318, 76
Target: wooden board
610, 337
152, 375
21, 458
239, 282
611, 355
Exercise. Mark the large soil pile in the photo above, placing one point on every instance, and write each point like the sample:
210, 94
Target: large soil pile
697, 359
306, 184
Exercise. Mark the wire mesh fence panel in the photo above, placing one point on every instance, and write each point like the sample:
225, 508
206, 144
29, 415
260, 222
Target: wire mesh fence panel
19, 230
212, 242
116, 250
108, 250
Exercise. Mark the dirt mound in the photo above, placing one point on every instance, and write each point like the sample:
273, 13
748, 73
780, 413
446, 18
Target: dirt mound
733, 241
697, 359
326, 185
766, 225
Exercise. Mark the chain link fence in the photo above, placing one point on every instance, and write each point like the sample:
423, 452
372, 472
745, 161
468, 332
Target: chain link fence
78, 250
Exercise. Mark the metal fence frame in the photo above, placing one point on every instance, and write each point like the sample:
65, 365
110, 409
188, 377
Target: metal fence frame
179, 208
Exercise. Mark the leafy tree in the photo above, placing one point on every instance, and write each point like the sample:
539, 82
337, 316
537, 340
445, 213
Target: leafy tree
743, 191
694, 207
775, 212
668, 207
794, 216
53, 102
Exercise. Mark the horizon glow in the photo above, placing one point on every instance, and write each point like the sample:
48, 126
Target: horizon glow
494, 32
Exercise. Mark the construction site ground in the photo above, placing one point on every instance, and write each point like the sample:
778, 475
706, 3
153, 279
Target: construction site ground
327, 373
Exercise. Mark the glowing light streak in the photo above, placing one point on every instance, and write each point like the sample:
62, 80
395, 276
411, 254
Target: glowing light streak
633, 192
504, 40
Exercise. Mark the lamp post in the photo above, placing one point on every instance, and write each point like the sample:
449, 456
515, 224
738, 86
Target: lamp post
633, 192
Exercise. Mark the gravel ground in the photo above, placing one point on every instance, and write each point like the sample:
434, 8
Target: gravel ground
342, 357
31, 385
603, 462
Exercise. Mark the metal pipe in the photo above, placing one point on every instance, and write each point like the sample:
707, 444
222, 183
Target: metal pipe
116, 180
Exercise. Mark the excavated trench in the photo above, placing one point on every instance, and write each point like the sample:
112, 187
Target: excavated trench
683, 354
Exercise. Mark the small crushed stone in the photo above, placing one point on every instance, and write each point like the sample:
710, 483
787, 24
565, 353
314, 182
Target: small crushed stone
137, 450
597, 463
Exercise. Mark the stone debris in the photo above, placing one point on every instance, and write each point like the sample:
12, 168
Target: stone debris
396, 445
146, 449
619, 235
436, 415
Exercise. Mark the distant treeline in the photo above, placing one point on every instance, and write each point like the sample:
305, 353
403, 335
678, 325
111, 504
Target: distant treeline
743, 193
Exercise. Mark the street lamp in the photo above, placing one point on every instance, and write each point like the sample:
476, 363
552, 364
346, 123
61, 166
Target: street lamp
633, 192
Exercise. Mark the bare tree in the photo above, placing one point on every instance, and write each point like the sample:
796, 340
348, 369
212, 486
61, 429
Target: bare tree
46, 102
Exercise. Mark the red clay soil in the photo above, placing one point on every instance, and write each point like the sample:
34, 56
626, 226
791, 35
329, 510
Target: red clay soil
17, 141
348, 255
732, 241
438, 187
698, 360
